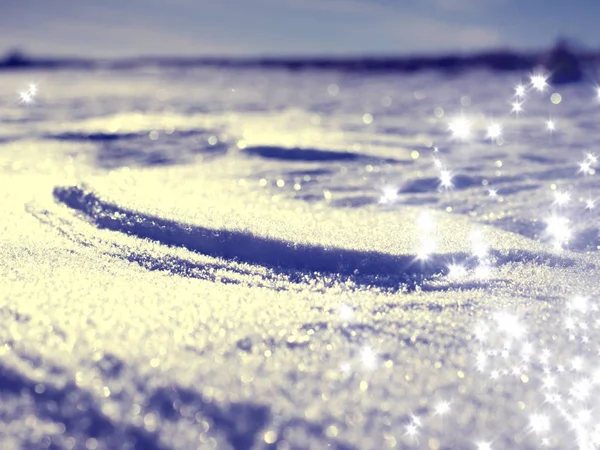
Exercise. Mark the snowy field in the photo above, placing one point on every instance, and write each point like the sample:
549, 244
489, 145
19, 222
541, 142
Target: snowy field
251, 259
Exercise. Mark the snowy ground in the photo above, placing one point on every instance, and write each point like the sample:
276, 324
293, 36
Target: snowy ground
263, 259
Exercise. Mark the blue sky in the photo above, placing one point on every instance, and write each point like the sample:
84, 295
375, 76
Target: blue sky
113, 28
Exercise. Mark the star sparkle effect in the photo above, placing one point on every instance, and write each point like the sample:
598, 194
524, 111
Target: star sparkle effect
460, 128
480, 251
588, 165
494, 131
567, 386
520, 91
484, 445
445, 175
346, 313
364, 361
558, 230
368, 358
464, 129
539, 82
28, 96
446, 179
562, 198
590, 204
427, 237
389, 195
456, 271
566, 383
442, 408
517, 107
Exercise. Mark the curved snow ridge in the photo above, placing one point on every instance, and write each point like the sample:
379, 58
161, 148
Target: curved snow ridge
243, 246
180, 263
296, 260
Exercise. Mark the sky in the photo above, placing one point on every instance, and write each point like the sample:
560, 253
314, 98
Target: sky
122, 28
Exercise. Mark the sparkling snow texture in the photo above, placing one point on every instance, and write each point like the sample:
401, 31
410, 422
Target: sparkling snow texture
230, 260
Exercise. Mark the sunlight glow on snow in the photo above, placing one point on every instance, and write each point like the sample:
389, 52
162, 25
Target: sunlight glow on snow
460, 128
216, 244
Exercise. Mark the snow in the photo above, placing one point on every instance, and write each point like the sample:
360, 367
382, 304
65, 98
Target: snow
203, 259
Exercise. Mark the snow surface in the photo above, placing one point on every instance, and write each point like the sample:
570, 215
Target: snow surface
203, 259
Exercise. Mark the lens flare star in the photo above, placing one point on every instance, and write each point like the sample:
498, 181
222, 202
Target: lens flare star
427, 246
27, 97
590, 203
368, 358
520, 90
562, 198
412, 431
442, 408
539, 423
517, 107
389, 195
346, 313
568, 382
482, 445
494, 131
539, 82
557, 228
585, 167
456, 271
567, 388
446, 179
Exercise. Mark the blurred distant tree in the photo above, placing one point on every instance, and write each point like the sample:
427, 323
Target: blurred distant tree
563, 63
14, 57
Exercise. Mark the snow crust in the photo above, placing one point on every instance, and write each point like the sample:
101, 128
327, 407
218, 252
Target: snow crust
201, 259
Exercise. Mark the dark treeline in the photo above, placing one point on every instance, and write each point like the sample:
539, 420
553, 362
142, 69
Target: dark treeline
564, 64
